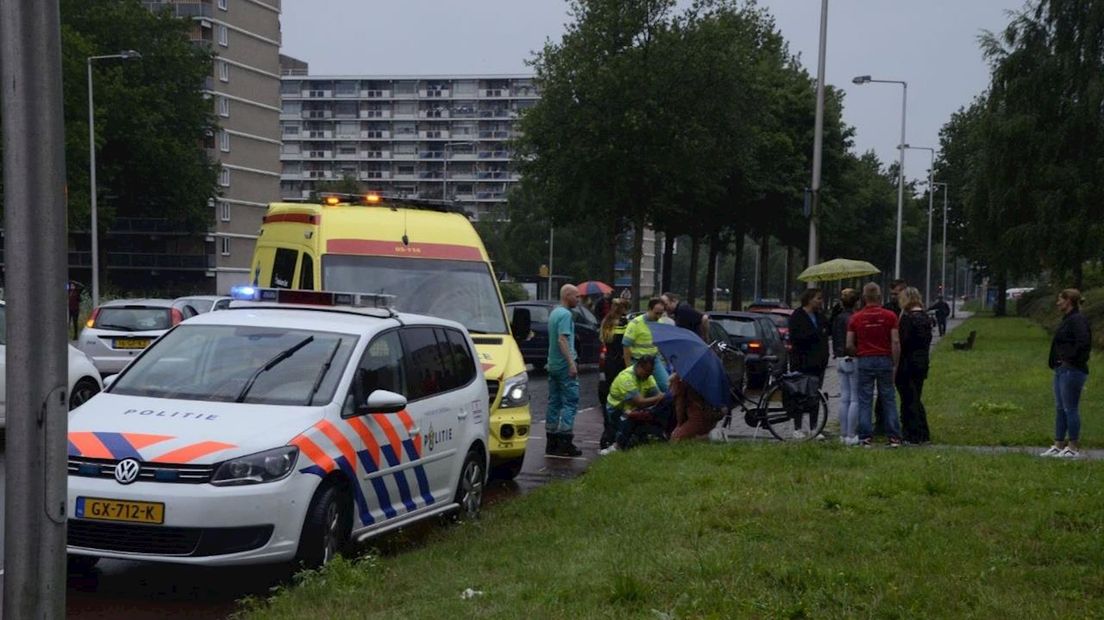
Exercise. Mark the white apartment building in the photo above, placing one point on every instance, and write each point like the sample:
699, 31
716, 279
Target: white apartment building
425, 136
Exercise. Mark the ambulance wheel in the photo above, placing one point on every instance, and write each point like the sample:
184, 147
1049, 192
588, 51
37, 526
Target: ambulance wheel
508, 470
326, 528
469, 490
81, 564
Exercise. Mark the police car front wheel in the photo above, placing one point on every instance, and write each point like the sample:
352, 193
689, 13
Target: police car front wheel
326, 528
469, 491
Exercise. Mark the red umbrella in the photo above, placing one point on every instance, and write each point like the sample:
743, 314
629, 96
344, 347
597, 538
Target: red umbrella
594, 287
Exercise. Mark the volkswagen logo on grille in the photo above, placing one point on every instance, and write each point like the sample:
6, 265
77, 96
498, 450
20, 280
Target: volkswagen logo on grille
127, 471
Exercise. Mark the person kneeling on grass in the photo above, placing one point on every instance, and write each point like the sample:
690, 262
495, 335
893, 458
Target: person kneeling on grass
633, 393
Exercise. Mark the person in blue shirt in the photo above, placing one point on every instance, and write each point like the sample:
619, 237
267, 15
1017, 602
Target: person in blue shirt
563, 377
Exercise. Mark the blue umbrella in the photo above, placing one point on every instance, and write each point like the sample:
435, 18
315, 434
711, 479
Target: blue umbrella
694, 362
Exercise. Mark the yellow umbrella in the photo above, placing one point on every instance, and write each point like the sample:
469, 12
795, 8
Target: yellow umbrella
838, 269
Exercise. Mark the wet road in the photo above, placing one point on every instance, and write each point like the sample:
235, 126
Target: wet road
118, 589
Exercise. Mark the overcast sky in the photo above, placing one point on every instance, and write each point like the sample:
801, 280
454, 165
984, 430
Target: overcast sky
931, 44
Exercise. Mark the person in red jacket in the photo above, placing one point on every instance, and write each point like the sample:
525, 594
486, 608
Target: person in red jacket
873, 338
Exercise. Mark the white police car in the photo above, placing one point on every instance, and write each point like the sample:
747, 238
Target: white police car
278, 430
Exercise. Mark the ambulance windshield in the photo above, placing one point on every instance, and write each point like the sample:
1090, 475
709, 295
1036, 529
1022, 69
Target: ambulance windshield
461, 291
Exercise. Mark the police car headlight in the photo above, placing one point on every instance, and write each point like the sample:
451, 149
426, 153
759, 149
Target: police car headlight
516, 391
267, 466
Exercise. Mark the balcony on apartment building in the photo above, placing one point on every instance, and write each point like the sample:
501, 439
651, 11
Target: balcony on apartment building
496, 134
372, 113
375, 134
375, 93
182, 9
434, 92
317, 114
433, 134
494, 93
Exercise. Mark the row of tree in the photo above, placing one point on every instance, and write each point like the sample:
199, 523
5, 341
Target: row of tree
1025, 160
695, 123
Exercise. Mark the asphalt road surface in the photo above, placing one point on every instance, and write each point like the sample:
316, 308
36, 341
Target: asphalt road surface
118, 589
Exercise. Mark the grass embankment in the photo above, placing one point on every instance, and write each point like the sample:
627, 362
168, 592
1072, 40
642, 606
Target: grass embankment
754, 530
1001, 392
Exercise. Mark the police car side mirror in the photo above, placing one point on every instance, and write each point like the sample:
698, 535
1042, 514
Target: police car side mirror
107, 381
383, 401
521, 324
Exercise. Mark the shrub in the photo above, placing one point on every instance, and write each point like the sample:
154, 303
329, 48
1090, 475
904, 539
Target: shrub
512, 291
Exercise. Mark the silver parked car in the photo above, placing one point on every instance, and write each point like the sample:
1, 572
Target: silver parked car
84, 381
205, 303
119, 330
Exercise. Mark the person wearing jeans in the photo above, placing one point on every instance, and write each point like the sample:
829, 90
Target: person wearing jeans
1069, 357
845, 366
872, 337
563, 377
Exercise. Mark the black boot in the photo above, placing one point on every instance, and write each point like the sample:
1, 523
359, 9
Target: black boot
567, 446
552, 444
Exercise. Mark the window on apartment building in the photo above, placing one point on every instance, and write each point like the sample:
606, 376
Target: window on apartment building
223, 35
224, 70
290, 148
224, 141
224, 177
225, 246
224, 107
222, 4
224, 211
291, 129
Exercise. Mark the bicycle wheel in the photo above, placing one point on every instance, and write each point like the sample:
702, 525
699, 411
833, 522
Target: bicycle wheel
772, 414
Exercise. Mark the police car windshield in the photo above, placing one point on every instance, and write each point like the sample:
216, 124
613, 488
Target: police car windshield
461, 291
217, 362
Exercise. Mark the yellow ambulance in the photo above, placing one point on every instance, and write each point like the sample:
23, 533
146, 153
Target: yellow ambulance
428, 257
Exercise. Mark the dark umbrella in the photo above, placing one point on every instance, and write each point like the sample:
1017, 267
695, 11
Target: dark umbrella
694, 362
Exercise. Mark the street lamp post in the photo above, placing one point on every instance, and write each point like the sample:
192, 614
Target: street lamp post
931, 192
866, 79
943, 267
123, 55
818, 140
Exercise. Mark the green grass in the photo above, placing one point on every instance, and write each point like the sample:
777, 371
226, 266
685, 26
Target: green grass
759, 530
1001, 392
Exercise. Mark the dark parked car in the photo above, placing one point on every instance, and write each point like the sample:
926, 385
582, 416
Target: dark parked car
781, 318
534, 350
754, 334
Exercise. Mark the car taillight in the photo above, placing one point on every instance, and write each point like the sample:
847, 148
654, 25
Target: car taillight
92, 319
177, 317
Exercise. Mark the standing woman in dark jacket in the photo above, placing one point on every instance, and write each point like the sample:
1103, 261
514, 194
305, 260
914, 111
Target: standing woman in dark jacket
1069, 357
809, 331
915, 327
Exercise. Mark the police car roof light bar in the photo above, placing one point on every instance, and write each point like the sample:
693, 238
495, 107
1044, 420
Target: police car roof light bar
313, 298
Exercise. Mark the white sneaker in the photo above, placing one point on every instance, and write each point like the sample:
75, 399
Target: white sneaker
1052, 451
799, 435
845, 440
853, 440
609, 450
1069, 453
820, 437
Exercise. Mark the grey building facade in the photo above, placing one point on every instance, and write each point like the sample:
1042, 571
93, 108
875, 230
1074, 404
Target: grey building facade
425, 136
244, 89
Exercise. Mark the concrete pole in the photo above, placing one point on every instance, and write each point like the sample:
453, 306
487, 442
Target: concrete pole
943, 268
901, 183
92, 193
818, 140
551, 240
35, 256
931, 213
